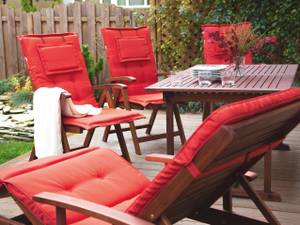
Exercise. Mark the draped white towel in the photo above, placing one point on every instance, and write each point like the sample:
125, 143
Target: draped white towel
47, 119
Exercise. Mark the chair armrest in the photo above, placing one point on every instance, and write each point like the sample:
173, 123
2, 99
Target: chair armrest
117, 86
65, 95
163, 158
128, 79
110, 215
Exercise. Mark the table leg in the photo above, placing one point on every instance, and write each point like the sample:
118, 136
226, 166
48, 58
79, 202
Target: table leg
170, 126
207, 109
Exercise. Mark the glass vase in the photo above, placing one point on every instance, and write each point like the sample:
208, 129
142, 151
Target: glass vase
240, 66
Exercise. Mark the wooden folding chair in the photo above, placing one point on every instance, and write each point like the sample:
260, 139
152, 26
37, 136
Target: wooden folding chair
131, 61
55, 60
100, 186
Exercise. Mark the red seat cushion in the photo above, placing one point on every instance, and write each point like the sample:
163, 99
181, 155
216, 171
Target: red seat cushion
129, 53
227, 114
95, 174
105, 118
146, 99
55, 60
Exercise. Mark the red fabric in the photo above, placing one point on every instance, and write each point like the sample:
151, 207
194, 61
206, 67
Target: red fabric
133, 49
105, 118
38, 55
227, 114
59, 59
92, 174
130, 44
213, 54
146, 99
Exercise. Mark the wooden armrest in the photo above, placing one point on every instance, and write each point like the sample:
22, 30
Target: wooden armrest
88, 208
113, 86
163, 158
65, 95
128, 79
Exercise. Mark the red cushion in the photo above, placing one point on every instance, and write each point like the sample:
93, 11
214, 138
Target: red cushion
133, 49
41, 61
105, 118
59, 59
146, 99
122, 46
93, 174
228, 114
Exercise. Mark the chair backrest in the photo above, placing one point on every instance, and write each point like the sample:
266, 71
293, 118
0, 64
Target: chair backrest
55, 60
226, 144
213, 54
129, 53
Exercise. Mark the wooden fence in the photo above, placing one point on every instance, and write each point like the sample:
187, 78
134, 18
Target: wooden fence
84, 18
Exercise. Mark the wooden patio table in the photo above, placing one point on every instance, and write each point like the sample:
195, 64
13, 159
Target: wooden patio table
257, 79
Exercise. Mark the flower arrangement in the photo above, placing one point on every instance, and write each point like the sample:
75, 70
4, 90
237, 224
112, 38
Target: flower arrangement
238, 41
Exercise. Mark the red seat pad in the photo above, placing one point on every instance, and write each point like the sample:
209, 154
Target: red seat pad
98, 175
105, 118
129, 53
227, 114
146, 99
55, 60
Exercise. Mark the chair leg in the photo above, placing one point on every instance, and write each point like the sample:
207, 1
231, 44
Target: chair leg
227, 201
88, 138
32, 154
151, 120
135, 139
264, 209
122, 143
65, 142
179, 124
105, 134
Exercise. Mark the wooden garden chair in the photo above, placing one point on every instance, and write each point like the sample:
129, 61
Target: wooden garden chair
55, 60
97, 185
131, 61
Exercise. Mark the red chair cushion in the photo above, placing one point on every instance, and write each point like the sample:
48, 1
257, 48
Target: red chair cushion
146, 99
63, 61
59, 59
133, 49
92, 174
227, 114
127, 52
105, 118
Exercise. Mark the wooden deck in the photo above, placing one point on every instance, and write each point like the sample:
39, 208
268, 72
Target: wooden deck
286, 171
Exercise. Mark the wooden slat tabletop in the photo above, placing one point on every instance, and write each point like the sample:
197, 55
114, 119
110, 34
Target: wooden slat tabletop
258, 78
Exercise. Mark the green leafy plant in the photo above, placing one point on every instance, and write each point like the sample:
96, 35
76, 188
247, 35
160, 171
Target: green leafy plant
5, 86
27, 6
21, 97
94, 68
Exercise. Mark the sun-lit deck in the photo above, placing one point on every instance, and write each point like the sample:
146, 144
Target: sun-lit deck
285, 170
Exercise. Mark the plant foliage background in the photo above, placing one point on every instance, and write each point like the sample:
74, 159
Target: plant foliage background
179, 22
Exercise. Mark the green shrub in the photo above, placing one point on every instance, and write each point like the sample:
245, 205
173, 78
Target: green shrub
27, 6
94, 69
5, 86
21, 97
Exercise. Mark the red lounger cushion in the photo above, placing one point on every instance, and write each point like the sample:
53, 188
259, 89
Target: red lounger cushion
227, 114
105, 118
94, 174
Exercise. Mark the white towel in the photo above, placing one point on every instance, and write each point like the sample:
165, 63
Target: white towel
47, 119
